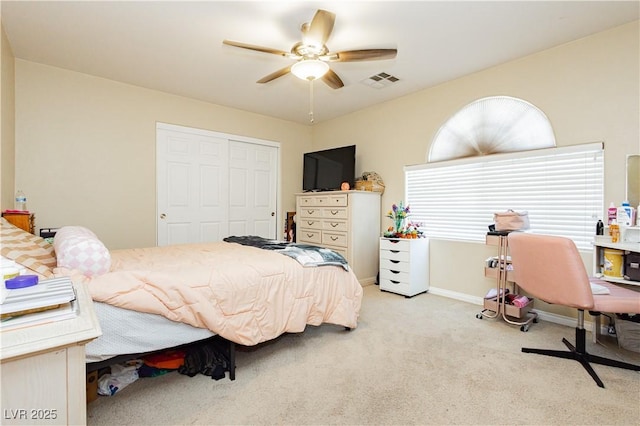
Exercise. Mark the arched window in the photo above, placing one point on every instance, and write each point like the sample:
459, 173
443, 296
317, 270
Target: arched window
455, 194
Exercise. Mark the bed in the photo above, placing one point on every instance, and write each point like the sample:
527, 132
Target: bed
148, 299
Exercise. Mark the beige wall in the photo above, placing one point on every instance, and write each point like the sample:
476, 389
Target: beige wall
589, 90
86, 149
85, 145
7, 123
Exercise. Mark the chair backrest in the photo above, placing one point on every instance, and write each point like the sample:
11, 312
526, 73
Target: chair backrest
550, 268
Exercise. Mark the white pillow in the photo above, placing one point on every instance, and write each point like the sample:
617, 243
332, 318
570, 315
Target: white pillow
79, 248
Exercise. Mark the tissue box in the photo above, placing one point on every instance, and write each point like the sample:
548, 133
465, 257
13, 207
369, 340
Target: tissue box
630, 234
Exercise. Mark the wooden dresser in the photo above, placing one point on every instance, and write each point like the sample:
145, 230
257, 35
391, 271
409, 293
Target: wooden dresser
347, 222
24, 221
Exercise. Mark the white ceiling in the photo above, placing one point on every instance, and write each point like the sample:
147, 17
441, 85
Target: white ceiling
176, 46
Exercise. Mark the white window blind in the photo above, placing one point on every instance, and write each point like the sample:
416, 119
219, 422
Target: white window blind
561, 189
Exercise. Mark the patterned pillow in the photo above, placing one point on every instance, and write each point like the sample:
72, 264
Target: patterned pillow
29, 250
79, 248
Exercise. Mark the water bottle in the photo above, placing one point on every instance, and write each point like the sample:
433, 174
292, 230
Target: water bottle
21, 201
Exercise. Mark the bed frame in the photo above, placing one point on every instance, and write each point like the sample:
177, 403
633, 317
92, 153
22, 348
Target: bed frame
224, 347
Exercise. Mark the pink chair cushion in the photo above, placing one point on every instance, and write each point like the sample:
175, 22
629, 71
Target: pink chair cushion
621, 300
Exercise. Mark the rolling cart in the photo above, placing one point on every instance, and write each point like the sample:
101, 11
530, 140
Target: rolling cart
497, 306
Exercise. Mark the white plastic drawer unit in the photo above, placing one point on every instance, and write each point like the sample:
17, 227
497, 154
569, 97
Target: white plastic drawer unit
404, 265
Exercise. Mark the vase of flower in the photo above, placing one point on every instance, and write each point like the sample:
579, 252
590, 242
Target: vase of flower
398, 214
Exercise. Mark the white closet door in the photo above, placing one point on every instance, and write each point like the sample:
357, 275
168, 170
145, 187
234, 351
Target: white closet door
210, 186
193, 187
253, 183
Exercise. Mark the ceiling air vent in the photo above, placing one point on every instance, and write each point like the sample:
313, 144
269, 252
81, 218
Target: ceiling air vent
380, 80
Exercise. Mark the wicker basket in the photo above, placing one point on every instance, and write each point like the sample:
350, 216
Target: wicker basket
369, 185
628, 333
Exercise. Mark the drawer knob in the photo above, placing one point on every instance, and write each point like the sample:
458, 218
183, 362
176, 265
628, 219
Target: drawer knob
334, 212
394, 251
310, 223
394, 261
394, 272
333, 225
334, 238
309, 235
395, 282
310, 211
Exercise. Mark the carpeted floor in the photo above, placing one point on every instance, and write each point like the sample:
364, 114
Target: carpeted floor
423, 360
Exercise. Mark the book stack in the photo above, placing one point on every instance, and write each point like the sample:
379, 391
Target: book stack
50, 300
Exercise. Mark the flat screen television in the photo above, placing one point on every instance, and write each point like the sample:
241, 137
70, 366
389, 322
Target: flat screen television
326, 170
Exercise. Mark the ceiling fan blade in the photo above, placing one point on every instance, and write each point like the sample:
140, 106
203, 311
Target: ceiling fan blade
317, 32
275, 75
332, 80
258, 48
361, 55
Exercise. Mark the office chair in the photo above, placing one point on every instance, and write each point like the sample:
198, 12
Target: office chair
551, 269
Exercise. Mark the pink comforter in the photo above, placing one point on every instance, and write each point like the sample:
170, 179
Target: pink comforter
245, 294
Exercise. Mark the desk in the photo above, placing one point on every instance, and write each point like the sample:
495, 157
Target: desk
598, 262
598, 259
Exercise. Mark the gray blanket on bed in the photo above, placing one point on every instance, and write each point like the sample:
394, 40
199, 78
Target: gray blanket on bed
305, 254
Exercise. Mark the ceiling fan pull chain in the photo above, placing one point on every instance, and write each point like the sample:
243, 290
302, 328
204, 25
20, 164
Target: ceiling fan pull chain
311, 101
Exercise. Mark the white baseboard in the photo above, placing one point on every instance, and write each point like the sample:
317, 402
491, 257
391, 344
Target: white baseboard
542, 315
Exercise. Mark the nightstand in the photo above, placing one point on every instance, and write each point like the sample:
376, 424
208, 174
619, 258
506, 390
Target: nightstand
25, 221
404, 265
43, 370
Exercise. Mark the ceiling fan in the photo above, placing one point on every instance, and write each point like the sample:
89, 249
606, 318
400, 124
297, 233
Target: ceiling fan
312, 55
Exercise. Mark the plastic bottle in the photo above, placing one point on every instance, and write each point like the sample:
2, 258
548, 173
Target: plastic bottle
638, 215
599, 228
624, 214
21, 201
612, 213
614, 230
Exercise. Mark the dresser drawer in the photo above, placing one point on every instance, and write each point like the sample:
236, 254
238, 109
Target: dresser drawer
394, 265
334, 239
394, 286
334, 225
309, 223
402, 256
310, 212
338, 200
342, 252
395, 244
314, 201
394, 275
309, 236
336, 213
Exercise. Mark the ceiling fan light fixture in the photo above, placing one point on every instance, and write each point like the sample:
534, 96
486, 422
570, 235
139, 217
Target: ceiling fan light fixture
310, 69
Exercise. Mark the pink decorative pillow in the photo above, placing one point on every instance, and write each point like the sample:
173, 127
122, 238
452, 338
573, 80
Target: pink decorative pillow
79, 248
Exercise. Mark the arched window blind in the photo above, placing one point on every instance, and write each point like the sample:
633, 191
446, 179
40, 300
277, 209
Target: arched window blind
561, 189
